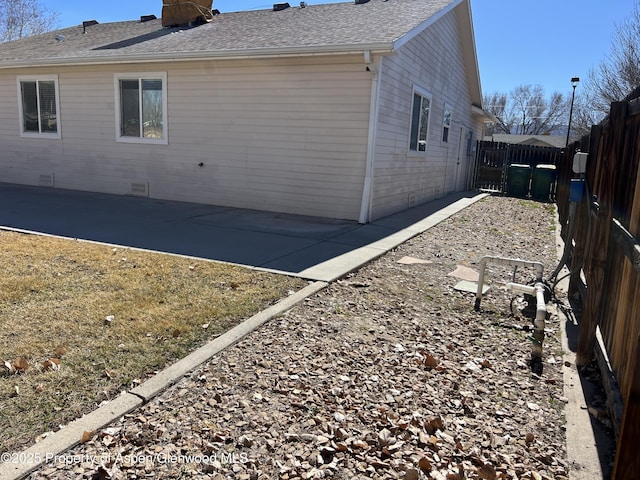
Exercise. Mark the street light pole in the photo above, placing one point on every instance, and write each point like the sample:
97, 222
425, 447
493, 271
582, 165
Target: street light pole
574, 84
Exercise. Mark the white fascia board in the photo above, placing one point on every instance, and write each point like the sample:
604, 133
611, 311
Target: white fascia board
471, 56
208, 55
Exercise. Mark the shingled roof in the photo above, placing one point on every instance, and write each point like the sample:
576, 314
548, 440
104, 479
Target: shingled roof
378, 25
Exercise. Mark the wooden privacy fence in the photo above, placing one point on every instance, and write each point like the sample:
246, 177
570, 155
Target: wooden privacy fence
603, 224
493, 160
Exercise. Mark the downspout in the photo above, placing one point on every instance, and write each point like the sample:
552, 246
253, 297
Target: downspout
367, 190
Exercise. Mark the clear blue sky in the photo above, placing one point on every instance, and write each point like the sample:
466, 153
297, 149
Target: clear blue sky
542, 42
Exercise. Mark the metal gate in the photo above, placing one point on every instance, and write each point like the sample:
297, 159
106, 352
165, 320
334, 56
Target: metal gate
493, 160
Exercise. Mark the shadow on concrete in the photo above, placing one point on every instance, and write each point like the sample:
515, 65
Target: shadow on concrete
282, 242
593, 390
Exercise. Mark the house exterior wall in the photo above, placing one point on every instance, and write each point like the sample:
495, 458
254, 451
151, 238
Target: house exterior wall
287, 135
432, 62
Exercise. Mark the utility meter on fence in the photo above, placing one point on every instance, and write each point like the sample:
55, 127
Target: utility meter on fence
580, 162
577, 184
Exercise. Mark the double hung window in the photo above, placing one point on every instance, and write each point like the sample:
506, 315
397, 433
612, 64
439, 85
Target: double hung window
419, 121
39, 106
446, 123
141, 108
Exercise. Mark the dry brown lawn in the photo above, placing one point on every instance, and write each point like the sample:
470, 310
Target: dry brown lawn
80, 322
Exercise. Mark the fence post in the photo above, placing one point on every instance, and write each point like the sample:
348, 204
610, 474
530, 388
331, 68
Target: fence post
604, 183
579, 250
627, 463
583, 221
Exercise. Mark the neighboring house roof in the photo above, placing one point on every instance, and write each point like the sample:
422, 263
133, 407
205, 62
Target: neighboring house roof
378, 26
538, 140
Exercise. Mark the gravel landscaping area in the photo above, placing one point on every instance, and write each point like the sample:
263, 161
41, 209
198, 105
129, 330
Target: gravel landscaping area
388, 373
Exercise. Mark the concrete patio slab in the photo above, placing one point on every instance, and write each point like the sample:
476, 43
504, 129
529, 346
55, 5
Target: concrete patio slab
293, 244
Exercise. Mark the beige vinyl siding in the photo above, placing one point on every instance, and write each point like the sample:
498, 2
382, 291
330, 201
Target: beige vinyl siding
291, 135
286, 135
432, 61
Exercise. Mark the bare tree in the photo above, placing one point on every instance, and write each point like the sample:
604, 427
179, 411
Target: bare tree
526, 110
619, 73
22, 18
496, 104
585, 115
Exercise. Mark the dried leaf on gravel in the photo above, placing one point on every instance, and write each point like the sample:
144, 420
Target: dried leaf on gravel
87, 436
59, 351
487, 472
20, 365
425, 465
51, 364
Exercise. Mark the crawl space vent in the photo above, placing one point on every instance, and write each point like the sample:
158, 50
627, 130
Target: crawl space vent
46, 180
140, 189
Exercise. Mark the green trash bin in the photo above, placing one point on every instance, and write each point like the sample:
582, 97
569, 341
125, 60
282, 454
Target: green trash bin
543, 183
518, 178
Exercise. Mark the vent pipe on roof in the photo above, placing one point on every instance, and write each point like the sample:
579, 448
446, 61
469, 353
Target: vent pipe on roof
303, 4
186, 12
361, 2
147, 18
280, 6
88, 23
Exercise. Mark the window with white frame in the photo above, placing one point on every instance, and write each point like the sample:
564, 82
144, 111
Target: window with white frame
39, 106
446, 123
419, 121
141, 107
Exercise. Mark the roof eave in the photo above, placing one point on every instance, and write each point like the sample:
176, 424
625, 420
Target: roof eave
305, 51
478, 112
470, 53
